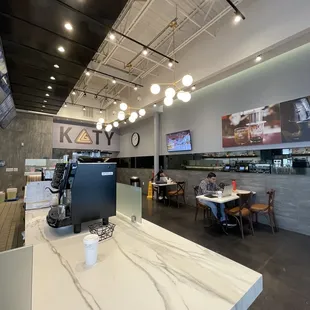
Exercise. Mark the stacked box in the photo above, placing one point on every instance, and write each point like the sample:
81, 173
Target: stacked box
11, 193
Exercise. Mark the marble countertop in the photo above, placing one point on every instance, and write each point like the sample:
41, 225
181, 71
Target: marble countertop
143, 266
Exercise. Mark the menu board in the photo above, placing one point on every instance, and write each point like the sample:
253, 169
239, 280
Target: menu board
279, 123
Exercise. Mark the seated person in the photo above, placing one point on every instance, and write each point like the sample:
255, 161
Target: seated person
209, 187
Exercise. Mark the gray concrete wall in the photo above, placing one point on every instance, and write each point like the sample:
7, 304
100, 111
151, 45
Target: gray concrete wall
291, 200
35, 132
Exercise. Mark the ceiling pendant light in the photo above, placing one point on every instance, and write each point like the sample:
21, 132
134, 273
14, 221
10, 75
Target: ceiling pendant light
65, 105
170, 92
168, 101
56, 66
145, 51
114, 81
170, 63
142, 112
84, 109
132, 119
99, 126
101, 120
61, 49
115, 124
87, 73
186, 97
193, 87
134, 115
100, 111
108, 127
68, 26
121, 115
187, 80
112, 36
123, 106
180, 95
155, 89
73, 93
258, 58
135, 88
114, 102
237, 18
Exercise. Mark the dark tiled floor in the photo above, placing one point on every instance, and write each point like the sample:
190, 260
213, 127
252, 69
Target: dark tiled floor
283, 258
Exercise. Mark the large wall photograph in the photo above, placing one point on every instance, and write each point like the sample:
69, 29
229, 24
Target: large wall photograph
252, 127
295, 120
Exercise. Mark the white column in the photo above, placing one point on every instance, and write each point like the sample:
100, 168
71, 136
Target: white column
156, 142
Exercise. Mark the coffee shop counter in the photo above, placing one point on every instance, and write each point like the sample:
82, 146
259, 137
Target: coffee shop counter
142, 266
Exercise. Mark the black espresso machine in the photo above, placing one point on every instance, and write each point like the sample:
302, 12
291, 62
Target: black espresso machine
86, 191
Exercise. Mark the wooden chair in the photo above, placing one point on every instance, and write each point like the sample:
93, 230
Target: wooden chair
180, 191
202, 207
266, 209
242, 211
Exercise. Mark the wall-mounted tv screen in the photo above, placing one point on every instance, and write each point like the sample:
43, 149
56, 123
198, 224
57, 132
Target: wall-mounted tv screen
179, 141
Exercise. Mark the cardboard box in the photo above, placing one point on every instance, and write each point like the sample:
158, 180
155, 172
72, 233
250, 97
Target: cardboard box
2, 197
11, 193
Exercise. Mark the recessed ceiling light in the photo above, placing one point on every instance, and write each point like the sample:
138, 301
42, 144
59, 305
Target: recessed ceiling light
52, 78
43, 106
61, 49
114, 81
144, 52
112, 36
56, 66
73, 93
47, 95
237, 18
44, 100
49, 87
258, 58
68, 26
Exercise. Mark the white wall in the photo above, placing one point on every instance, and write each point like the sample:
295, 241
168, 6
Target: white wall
145, 128
280, 79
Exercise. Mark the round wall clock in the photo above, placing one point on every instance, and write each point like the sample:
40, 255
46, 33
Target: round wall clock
135, 139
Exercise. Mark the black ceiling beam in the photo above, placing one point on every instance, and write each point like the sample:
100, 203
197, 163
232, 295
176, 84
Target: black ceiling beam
37, 102
115, 31
73, 62
31, 95
237, 11
88, 92
49, 31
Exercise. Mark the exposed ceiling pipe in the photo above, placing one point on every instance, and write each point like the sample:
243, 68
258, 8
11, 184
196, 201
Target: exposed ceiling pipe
189, 40
134, 22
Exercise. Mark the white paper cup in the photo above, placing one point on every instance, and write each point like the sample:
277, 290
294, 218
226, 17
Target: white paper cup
219, 194
91, 249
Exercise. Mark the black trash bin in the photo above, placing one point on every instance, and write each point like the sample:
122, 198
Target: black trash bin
135, 181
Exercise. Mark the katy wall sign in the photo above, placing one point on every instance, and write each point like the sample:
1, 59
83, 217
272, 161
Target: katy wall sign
67, 136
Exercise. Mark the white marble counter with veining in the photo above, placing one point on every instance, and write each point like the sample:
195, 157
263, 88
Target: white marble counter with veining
142, 267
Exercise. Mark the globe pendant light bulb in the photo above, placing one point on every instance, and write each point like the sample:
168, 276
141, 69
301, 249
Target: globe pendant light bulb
132, 119
186, 97
134, 115
180, 95
155, 89
115, 124
121, 115
108, 127
123, 106
98, 126
168, 101
142, 112
187, 80
101, 120
170, 92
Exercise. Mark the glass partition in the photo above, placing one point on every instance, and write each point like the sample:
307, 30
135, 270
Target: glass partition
129, 201
16, 278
